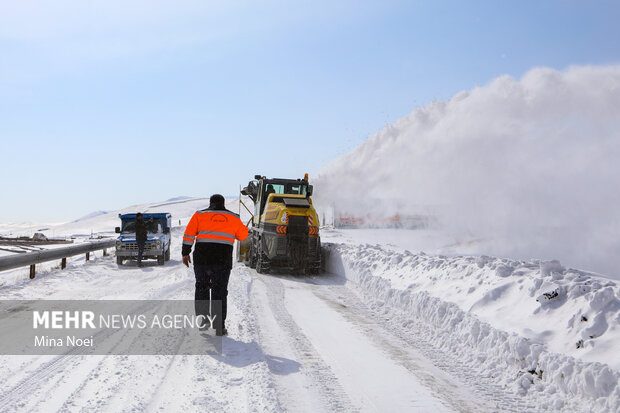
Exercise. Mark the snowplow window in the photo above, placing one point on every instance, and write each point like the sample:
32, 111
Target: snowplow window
277, 189
296, 189
289, 188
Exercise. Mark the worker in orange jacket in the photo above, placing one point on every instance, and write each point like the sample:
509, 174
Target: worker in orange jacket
214, 231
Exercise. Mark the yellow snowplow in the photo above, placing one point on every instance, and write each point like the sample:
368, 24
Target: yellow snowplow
285, 226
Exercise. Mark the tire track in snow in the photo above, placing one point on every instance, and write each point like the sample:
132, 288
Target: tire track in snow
354, 309
42, 377
320, 375
415, 333
119, 363
215, 386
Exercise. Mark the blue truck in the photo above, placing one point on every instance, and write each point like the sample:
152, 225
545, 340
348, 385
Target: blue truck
158, 238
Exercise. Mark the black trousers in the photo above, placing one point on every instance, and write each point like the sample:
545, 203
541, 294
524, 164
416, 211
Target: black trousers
215, 278
141, 244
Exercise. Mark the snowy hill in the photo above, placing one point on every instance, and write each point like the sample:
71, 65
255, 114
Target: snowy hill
103, 222
91, 215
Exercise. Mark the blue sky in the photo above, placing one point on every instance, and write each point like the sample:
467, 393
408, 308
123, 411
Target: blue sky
106, 104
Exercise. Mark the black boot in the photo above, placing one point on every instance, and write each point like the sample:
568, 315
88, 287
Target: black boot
221, 331
204, 327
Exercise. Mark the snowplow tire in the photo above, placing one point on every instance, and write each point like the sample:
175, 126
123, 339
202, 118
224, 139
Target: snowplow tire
262, 265
252, 256
313, 271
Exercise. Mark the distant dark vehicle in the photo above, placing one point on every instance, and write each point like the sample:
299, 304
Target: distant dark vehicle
158, 238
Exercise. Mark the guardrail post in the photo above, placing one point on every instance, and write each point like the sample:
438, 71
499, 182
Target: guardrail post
32, 271
63, 263
87, 256
105, 252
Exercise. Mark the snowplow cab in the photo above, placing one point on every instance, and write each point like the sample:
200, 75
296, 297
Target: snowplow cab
285, 226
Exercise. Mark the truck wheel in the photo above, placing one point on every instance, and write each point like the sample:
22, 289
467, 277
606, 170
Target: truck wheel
119, 260
314, 270
167, 254
160, 259
262, 264
252, 257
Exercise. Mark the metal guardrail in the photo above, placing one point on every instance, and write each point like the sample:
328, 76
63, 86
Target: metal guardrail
32, 258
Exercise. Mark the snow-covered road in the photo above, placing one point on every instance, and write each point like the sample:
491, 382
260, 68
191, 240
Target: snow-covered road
348, 358
294, 344
383, 329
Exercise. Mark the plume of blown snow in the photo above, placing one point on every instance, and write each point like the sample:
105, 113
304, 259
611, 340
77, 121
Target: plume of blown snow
531, 165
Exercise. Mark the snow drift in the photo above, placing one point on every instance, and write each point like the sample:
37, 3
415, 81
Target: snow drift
546, 333
529, 164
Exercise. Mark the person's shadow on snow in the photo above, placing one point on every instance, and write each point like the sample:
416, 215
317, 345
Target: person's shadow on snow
240, 354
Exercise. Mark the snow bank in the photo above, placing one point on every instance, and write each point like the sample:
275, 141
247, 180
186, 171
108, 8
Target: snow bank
547, 333
529, 163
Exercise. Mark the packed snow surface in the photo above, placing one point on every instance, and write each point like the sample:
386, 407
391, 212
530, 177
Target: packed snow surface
530, 165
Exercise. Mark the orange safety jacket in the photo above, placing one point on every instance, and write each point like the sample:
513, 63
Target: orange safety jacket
215, 226
214, 232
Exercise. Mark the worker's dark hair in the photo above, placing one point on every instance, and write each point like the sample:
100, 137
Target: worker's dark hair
217, 202
139, 214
